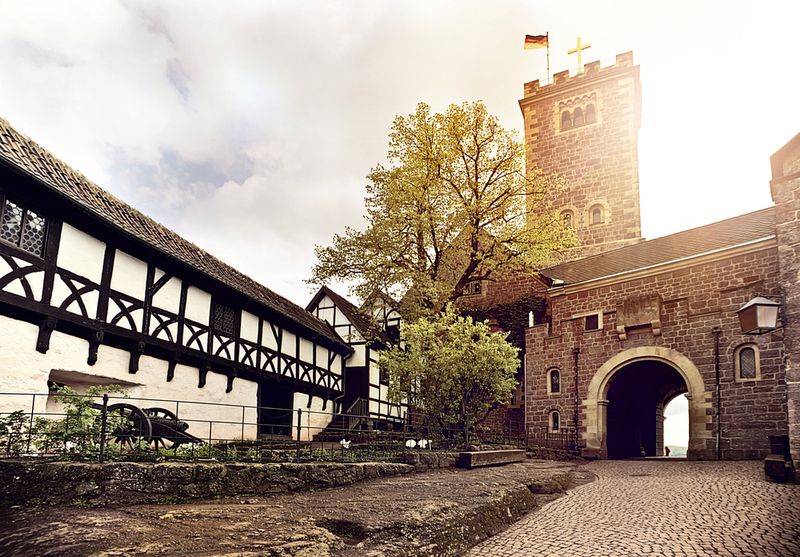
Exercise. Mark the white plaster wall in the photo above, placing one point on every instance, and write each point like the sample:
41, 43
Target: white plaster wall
168, 296
129, 275
268, 339
322, 357
289, 344
81, 253
198, 305
338, 364
24, 370
307, 351
248, 329
314, 419
358, 358
326, 314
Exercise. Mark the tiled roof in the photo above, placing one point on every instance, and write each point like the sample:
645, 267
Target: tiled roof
357, 318
23, 153
719, 235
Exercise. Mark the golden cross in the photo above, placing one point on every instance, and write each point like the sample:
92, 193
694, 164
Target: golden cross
577, 50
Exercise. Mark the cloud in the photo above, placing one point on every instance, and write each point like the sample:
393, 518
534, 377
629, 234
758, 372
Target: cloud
249, 126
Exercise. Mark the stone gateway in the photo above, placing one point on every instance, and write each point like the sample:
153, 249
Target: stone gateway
625, 325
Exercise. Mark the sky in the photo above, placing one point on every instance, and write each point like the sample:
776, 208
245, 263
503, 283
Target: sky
249, 127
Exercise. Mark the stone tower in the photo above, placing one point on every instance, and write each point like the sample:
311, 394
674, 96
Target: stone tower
585, 128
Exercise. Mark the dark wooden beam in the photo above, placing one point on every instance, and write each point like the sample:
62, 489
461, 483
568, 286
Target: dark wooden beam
94, 345
46, 327
136, 353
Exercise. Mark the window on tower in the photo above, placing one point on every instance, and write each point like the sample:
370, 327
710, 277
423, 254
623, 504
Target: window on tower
568, 218
591, 115
566, 120
577, 117
555, 421
596, 215
554, 381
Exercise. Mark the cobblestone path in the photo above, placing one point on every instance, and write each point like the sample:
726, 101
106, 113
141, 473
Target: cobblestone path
661, 508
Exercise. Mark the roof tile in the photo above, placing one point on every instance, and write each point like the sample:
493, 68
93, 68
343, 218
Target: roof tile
695, 241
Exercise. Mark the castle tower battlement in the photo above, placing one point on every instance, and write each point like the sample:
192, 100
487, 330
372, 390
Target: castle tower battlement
585, 127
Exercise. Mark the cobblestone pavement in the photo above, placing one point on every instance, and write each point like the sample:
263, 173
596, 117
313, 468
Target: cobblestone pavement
661, 508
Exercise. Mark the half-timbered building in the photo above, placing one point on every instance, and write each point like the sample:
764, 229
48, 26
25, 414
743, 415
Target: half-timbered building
94, 292
368, 330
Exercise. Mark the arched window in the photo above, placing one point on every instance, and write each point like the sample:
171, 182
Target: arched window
596, 214
566, 120
747, 364
554, 381
568, 218
591, 115
555, 421
577, 117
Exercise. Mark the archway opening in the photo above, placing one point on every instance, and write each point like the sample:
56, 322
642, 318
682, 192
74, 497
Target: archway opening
637, 395
676, 427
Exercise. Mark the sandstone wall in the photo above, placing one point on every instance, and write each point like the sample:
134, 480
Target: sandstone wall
694, 300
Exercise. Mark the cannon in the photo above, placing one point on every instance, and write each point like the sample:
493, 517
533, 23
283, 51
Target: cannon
136, 428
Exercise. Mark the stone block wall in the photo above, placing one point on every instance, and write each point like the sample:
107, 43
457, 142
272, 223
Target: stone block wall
785, 187
693, 301
599, 160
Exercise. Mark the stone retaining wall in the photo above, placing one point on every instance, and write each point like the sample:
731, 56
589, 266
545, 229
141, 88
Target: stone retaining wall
27, 482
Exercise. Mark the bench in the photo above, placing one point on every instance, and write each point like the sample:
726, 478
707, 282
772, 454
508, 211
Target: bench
474, 459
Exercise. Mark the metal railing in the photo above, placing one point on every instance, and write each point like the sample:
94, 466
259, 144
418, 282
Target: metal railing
116, 427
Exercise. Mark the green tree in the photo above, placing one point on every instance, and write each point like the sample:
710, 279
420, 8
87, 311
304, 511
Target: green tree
453, 203
456, 368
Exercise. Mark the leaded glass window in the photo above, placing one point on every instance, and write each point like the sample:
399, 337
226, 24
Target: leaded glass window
555, 422
747, 363
22, 228
224, 320
555, 381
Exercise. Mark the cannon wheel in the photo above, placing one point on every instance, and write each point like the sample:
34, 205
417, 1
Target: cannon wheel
157, 412
128, 426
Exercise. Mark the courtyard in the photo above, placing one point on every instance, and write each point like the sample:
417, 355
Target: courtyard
665, 508
614, 508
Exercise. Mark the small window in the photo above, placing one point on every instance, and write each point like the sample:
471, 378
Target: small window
472, 287
224, 320
596, 214
566, 120
22, 228
383, 375
554, 381
555, 421
591, 322
591, 115
568, 218
577, 118
747, 363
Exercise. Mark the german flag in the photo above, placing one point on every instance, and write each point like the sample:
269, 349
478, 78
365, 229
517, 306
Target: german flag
535, 41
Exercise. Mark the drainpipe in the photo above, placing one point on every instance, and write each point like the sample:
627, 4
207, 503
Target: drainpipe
718, 405
576, 416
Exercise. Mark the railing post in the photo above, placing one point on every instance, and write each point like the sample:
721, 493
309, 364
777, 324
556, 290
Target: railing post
299, 429
103, 420
243, 410
30, 424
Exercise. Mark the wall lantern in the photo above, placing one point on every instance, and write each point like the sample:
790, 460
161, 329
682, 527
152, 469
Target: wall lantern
758, 316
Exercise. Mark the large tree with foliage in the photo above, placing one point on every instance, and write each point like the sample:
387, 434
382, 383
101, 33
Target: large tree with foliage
453, 203
453, 368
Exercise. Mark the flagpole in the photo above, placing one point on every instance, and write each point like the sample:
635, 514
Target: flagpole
547, 34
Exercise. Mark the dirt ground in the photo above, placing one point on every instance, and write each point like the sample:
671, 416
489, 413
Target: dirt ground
432, 513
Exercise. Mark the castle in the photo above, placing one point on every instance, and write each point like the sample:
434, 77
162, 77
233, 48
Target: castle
626, 325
